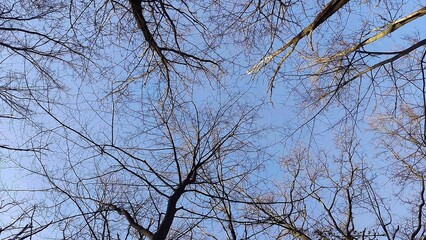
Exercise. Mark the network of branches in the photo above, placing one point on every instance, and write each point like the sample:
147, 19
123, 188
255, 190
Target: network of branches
163, 119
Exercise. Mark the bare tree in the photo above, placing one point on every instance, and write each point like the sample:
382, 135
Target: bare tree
135, 120
163, 177
327, 196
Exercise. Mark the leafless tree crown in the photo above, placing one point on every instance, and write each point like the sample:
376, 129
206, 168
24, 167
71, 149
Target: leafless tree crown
212, 119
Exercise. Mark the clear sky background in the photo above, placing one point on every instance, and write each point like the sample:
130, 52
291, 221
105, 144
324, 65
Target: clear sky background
289, 124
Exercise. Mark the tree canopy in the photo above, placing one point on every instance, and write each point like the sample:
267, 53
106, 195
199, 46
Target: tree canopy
212, 119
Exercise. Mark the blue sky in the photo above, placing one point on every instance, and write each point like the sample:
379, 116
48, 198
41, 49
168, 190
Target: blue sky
88, 104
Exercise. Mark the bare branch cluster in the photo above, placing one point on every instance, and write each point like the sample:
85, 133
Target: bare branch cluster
145, 119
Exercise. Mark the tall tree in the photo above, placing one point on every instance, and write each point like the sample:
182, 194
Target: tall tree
148, 120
